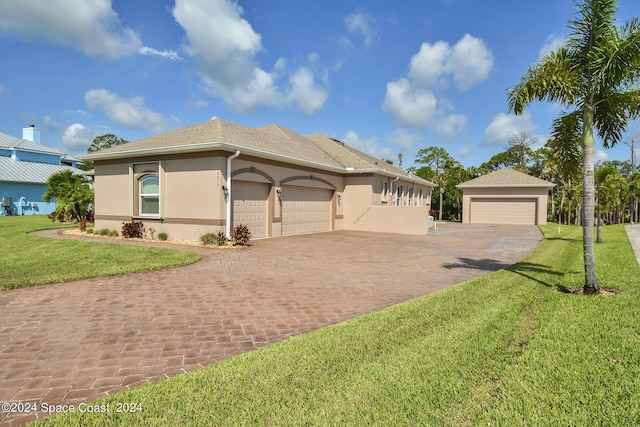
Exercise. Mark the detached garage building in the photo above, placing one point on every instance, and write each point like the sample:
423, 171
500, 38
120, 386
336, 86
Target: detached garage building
215, 175
505, 196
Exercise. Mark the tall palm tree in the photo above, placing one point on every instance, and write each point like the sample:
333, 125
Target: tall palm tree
594, 74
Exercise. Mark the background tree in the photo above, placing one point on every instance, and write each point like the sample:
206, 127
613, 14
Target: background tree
72, 193
100, 143
520, 145
594, 73
105, 141
434, 160
504, 159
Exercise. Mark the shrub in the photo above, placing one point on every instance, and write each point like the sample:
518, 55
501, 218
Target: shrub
113, 233
104, 232
208, 238
163, 236
152, 232
221, 238
82, 225
240, 235
90, 231
132, 230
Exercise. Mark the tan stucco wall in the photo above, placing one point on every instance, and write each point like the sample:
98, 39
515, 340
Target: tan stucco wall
111, 185
541, 194
403, 220
193, 201
366, 210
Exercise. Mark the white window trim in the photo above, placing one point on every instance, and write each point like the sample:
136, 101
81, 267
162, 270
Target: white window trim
140, 195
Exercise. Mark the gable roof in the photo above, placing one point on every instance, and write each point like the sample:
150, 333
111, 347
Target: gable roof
9, 142
29, 172
506, 177
271, 142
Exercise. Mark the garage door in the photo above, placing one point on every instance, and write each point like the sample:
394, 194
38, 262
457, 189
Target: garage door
503, 211
305, 210
250, 206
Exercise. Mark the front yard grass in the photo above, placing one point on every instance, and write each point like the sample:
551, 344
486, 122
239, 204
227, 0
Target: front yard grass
504, 349
32, 260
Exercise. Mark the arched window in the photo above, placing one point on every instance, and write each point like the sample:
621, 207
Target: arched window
149, 195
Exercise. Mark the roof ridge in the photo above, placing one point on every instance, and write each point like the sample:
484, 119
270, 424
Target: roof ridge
506, 177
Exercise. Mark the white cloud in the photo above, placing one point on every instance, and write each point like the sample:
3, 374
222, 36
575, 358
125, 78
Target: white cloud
305, 93
429, 65
77, 137
226, 49
410, 106
369, 146
169, 54
504, 126
401, 138
127, 112
551, 43
452, 125
470, 62
89, 26
226, 53
411, 100
361, 22
464, 152
467, 63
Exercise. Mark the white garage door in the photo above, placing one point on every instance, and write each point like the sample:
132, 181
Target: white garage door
503, 211
305, 210
250, 206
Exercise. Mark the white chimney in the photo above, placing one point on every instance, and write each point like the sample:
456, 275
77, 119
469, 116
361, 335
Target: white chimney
31, 133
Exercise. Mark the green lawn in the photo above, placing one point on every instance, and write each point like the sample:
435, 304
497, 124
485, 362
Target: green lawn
504, 349
32, 260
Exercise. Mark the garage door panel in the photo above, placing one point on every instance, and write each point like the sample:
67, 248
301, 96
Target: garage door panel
305, 210
250, 206
503, 211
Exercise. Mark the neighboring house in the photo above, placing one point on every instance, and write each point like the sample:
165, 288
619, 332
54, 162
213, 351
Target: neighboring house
215, 175
505, 196
25, 167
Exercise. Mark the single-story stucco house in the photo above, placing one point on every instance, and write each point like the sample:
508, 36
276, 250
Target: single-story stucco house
214, 175
505, 196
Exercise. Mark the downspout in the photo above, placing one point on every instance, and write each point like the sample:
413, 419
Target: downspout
228, 192
391, 189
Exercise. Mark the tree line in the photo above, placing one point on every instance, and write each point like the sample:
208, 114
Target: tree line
559, 162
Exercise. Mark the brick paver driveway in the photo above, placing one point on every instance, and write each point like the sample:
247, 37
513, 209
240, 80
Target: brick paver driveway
74, 342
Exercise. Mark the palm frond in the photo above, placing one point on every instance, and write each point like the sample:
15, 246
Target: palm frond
593, 24
618, 59
612, 114
553, 79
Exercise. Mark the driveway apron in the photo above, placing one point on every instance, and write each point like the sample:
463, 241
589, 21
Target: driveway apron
75, 342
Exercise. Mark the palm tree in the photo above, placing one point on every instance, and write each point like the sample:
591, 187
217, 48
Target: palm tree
72, 195
595, 73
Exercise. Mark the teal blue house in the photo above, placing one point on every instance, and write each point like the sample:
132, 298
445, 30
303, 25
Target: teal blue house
25, 166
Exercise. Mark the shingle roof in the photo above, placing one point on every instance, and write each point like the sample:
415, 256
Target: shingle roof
506, 177
28, 172
270, 140
8, 142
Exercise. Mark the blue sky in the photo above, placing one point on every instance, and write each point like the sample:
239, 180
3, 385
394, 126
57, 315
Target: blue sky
385, 77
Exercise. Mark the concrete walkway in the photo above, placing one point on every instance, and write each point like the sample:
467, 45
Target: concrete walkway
74, 342
633, 231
